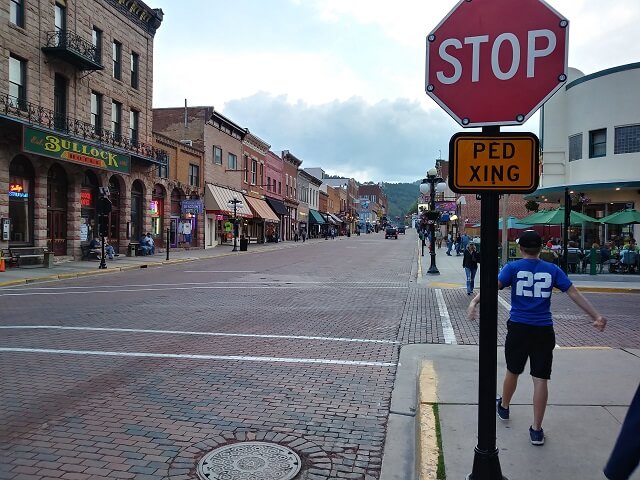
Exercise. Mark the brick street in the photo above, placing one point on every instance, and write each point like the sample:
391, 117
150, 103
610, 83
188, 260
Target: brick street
139, 374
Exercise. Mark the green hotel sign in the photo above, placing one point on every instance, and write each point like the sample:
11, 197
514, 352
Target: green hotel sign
64, 148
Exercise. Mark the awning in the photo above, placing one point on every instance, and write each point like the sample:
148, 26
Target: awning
262, 210
216, 198
337, 220
278, 206
315, 217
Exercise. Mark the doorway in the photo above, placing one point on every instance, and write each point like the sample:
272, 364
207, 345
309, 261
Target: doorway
57, 234
173, 231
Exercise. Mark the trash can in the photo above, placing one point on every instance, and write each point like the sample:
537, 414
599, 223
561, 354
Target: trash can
244, 243
48, 259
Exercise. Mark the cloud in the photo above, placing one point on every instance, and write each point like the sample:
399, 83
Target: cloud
392, 140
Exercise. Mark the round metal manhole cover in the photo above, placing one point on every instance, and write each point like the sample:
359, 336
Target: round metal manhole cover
250, 460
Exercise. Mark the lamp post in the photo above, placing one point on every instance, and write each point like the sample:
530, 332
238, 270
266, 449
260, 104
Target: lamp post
235, 203
326, 228
429, 185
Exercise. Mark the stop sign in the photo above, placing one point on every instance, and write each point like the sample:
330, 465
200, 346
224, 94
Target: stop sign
495, 62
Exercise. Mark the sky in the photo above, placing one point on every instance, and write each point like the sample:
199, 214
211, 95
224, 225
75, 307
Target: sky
340, 83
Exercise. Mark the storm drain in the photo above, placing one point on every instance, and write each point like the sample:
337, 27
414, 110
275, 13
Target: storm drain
255, 460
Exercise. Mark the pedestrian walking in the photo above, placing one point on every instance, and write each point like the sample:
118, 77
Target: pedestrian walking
470, 262
449, 243
530, 333
458, 245
625, 456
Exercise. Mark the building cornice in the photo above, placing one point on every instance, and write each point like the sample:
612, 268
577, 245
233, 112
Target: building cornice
141, 14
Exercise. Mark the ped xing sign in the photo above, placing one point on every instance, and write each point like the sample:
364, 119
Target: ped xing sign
502, 162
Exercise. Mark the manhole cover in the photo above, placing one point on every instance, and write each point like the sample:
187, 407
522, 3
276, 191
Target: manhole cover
250, 460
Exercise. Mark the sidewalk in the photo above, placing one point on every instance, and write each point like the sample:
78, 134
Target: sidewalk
79, 268
587, 403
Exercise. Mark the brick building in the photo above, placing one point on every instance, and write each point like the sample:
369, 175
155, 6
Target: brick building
76, 83
291, 164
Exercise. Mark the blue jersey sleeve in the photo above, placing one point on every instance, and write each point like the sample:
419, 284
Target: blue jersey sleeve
562, 281
505, 275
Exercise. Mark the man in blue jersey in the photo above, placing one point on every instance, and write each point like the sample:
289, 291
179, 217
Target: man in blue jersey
530, 333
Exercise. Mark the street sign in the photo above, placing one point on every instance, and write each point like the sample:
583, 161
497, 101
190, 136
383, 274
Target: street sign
503, 162
495, 62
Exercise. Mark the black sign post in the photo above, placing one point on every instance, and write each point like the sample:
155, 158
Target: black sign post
104, 209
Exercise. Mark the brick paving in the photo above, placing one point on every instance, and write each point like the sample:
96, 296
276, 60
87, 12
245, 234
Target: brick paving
84, 416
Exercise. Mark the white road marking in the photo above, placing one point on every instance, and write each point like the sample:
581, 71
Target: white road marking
447, 327
219, 271
282, 286
240, 358
181, 332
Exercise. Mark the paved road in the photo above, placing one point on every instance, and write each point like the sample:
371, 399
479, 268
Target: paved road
140, 373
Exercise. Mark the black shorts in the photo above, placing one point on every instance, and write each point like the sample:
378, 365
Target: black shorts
527, 341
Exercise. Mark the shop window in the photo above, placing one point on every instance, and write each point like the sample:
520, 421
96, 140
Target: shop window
135, 69
137, 193
217, 155
96, 39
232, 161
627, 139
16, 15
598, 143
21, 181
117, 60
17, 82
194, 175
133, 126
88, 215
96, 112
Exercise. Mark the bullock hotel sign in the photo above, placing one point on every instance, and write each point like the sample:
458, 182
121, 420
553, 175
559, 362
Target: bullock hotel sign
64, 148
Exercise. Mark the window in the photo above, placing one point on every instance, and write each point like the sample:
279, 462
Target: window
269, 183
254, 172
96, 39
133, 126
117, 60
17, 72
246, 169
162, 170
135, 61
60, 19
217, 155
232, 161
194, 175
16, 15
279, 187
575, 147
116, 119
598, 143
96, 112
627, 139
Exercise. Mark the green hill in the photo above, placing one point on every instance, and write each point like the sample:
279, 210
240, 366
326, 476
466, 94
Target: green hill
402, 197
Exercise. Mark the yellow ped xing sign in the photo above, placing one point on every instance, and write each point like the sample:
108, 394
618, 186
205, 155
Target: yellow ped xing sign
505, 162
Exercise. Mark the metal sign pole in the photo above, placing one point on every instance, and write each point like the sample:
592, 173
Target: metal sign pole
486, 464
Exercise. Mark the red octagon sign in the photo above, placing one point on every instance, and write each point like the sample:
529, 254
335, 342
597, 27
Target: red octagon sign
495, 62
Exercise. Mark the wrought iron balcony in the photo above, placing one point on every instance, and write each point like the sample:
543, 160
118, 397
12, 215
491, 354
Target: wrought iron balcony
35, 115
73, 49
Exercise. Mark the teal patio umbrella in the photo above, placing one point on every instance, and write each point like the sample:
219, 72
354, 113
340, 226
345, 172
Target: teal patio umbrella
623, 217
556, 217
513, 222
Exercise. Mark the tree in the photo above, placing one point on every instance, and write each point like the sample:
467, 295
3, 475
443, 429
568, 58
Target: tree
532, 206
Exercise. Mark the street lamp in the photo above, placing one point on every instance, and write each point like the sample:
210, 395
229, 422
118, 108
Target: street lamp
326, 227
235, 203
430, 185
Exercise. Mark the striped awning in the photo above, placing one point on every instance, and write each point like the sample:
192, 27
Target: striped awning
216, 200
262, 210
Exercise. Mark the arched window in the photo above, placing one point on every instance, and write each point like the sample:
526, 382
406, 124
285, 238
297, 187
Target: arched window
88, 214
137, 195
21, 191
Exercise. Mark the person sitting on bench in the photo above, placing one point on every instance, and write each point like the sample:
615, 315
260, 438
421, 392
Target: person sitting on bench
95, 246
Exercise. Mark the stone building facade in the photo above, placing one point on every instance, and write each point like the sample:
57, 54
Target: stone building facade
76, 84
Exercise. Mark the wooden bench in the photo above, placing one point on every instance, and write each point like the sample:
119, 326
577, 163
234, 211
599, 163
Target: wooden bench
89, 253
17, 254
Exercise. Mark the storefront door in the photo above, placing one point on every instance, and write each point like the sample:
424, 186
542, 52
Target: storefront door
173, 231
57, 223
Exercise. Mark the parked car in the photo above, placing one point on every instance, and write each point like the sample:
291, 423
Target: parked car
391, 232
401, 229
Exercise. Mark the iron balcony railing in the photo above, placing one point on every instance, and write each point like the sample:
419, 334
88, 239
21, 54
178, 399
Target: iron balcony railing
73, 49
33, 114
